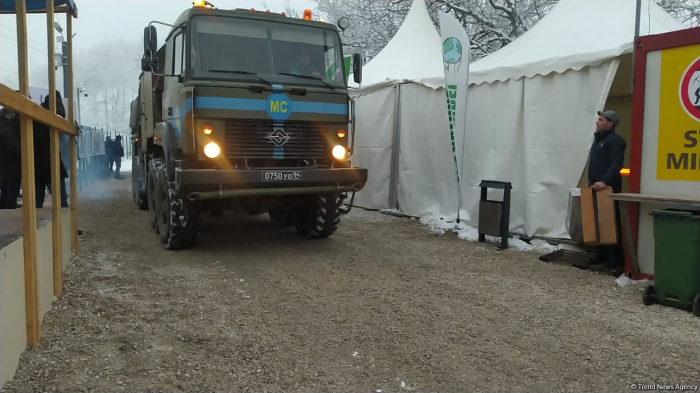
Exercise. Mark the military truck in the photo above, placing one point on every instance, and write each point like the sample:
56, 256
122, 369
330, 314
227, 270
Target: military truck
244, 111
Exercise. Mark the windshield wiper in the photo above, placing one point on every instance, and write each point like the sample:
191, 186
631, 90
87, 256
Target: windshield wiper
309, 77
243, 73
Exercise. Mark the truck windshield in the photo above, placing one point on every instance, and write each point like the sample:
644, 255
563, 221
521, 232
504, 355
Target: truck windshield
247, 50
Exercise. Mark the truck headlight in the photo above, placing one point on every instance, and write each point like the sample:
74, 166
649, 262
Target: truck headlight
212, 150
339, 152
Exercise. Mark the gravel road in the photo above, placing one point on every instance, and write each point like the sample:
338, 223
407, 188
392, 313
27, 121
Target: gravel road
383, 305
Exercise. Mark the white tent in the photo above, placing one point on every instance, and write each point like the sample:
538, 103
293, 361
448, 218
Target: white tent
530, 121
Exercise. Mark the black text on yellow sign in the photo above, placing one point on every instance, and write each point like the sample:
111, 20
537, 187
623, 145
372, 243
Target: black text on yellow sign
679, 115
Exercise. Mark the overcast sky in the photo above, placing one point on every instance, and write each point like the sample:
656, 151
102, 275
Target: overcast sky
105, 19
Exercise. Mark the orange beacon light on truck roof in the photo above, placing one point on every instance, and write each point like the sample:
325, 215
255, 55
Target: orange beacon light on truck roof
308, 14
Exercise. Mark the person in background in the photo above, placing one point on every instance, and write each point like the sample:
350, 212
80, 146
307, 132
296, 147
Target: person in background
10, 159
606, 159
42, 157
108, 153
117, 155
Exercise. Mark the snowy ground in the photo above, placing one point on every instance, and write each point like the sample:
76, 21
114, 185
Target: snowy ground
440, 224
126, 165
383, 305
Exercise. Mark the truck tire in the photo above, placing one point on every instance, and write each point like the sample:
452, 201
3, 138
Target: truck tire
281, 217
178, 218
319, 220
138, 184
151, 178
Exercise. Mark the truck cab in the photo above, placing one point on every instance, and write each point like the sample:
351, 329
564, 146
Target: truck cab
246, 111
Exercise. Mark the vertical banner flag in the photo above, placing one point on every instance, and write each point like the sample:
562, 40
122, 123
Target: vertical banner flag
456, 55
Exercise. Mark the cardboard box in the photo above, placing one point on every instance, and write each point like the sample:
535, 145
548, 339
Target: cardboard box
598, 217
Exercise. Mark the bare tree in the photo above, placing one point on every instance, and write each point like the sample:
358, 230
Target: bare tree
686, 11
107, 72
491, 24
288, 9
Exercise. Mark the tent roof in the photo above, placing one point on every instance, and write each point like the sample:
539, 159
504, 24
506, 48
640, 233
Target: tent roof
413, 53
575, 34
8, 6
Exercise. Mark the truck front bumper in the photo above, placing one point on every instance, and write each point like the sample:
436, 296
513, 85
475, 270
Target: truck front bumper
201, 184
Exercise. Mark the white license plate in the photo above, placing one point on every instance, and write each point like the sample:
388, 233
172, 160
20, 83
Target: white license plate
282, 175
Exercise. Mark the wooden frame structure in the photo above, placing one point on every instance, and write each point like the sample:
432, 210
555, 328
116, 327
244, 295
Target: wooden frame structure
30, 112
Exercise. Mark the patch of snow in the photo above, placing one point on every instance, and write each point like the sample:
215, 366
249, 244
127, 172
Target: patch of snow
404, 385
439, 225
624, 281
126, 166
355, 354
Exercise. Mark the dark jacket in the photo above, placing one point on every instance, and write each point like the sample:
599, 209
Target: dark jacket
10, 152
117, 149
606, 159
109, 149
42, 147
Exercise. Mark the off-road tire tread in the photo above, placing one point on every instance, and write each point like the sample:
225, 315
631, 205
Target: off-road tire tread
141, 195
184, 220
155, 166
326, 219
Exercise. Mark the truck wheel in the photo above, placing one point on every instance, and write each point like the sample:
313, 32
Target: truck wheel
178, 219
281, 217
153, 169
138, 184
319, 220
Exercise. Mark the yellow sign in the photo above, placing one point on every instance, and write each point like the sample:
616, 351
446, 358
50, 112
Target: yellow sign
679, 115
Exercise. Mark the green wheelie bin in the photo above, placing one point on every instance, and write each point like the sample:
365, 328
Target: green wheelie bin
676, 260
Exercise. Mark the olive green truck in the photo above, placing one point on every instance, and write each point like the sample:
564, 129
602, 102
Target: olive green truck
244, 111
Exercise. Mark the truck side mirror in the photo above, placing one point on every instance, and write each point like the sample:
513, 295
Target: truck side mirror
150, 64
357, 68
150, 40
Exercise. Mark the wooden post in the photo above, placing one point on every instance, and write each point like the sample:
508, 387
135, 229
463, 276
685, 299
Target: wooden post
55, 162
28, 186
72, 151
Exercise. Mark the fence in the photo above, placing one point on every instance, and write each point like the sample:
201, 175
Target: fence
92, 161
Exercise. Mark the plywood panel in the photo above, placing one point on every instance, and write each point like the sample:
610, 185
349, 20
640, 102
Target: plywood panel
13, 319
607, 226
588, 219
44, 265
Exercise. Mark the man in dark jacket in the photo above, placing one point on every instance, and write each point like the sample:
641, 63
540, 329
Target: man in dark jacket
42, 157
109, 152
606, 159
117, 154
10, 159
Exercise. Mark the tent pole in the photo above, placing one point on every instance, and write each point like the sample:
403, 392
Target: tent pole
394, 175
637, 22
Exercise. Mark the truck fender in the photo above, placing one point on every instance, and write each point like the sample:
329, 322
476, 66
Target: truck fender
167, 139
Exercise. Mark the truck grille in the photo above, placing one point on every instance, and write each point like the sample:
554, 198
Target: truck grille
250, 139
